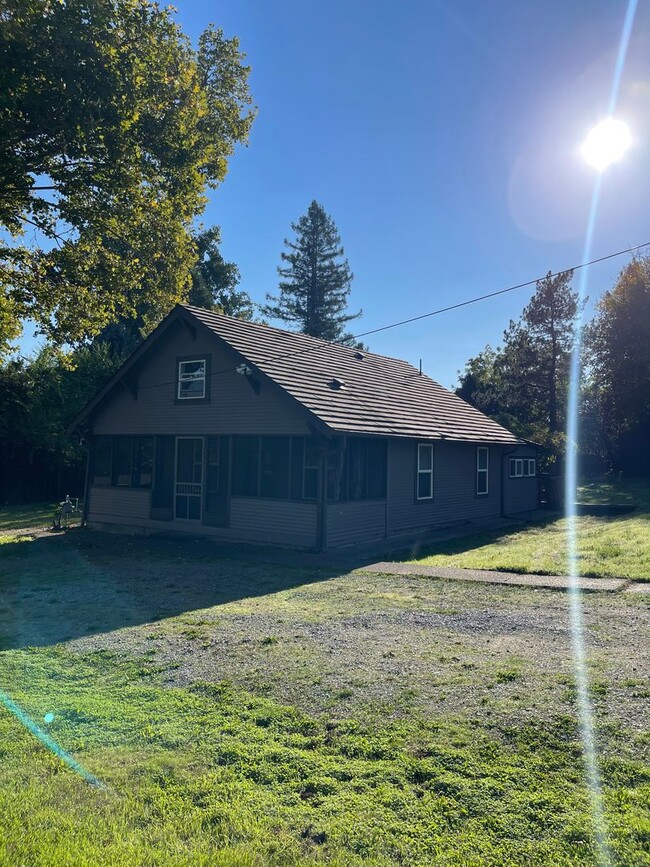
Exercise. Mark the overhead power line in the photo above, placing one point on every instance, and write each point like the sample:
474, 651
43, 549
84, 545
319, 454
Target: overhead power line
498, 292
320, 347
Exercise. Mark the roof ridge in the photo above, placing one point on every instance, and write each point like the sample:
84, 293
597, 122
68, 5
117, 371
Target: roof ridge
299, 334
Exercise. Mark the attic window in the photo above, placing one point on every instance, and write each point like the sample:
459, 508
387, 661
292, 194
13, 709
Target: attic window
191, 379
336, 384
359, 356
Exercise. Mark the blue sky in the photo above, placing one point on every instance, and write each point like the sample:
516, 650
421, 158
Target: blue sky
442, 137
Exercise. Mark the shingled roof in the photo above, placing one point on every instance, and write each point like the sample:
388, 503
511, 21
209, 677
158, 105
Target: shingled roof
353, 392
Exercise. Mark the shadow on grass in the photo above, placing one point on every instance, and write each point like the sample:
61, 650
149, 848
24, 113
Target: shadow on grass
60, 587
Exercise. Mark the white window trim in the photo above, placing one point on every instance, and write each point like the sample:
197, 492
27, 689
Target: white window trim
424, 472
483, 471
191, 378
514, 474
525, 468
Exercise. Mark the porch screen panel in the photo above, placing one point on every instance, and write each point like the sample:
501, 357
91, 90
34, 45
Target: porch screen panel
102, 460
217, 491
162, 494
376, 469
274, 467
297, 458
245, 466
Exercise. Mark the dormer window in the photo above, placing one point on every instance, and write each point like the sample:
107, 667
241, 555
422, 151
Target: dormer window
192, 379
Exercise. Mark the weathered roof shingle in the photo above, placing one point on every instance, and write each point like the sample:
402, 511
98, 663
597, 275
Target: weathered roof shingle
376, 394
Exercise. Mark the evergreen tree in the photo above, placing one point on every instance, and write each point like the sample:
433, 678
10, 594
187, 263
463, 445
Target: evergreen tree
524, 383
316, 280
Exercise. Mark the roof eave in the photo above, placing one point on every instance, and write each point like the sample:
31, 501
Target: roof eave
136, 355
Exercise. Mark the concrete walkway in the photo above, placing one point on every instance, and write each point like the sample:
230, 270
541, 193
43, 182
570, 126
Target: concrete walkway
550, 582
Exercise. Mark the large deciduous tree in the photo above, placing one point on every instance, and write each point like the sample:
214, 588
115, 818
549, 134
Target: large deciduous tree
214, 287
316, 279
111, 127
619, 356
214, 281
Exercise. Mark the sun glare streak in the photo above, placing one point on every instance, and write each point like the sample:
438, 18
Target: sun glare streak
571, 480
575, 602
47, 741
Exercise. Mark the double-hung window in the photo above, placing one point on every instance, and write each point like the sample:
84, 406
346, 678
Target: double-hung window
522, 468
424, 481
482, 465
192, 379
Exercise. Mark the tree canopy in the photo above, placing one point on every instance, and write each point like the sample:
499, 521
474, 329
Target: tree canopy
214, 286
316, 279
618, 341
111, 127
215, 281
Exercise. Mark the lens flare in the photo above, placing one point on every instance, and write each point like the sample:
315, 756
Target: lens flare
47, 741
606, 143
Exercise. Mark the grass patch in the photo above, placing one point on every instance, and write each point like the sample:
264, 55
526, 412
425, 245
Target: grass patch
607, 546
19, 517
281, 715
214, 775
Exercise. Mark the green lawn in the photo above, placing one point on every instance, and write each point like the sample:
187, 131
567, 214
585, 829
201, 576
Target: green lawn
607, 546
31, 515
243, 713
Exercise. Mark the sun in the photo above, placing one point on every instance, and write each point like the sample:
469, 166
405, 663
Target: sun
606, 143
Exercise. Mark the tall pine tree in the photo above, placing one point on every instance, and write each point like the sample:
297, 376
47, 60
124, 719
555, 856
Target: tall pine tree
316, 280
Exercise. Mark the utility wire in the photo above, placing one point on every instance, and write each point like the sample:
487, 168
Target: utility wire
421, 316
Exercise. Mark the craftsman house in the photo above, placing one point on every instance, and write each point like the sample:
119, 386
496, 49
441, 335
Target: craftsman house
232, 429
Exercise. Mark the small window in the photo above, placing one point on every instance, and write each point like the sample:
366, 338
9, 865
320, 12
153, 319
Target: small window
529, 467
516, 468
191, 379
482, 465
425, 472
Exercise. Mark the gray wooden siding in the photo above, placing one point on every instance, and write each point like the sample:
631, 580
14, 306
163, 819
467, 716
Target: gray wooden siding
519, 495
454, 486
118, 505
251, 520
276, 521
234, 408
362, 521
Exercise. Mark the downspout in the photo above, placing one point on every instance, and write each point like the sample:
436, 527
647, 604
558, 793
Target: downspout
504, 455
86, 446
